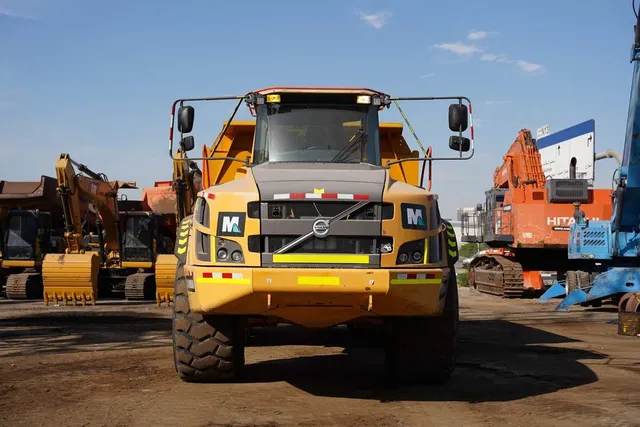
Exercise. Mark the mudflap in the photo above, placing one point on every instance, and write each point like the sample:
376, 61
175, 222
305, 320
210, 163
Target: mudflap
70, 278
140, 286
24, 286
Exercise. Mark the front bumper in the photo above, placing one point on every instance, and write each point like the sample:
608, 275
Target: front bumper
317, 297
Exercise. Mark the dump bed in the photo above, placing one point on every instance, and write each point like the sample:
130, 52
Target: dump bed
41, 194
160, 198
237, 142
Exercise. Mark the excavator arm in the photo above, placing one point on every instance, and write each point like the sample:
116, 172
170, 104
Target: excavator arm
79, 193
521, 165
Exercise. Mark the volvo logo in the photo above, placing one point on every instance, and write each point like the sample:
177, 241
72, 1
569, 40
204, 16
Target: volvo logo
321, 228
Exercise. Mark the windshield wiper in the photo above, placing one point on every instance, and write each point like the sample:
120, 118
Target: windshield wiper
361, 136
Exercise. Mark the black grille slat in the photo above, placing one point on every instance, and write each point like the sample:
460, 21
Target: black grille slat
329, 244
137, 254
328, 209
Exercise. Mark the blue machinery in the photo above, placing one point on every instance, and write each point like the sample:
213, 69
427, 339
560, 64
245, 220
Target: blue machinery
608, 252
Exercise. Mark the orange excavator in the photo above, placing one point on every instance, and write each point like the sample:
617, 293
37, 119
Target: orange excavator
525, 222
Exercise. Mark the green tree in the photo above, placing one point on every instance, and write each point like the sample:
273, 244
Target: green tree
470, 249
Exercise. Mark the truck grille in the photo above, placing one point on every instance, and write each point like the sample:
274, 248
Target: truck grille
313, 209
329, 244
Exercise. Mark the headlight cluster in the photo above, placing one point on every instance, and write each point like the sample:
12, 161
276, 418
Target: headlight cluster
411, 253
228, 251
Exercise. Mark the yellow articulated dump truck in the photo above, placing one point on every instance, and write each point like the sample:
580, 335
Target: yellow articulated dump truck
312, 221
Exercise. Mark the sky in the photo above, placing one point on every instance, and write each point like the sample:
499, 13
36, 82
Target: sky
97, 79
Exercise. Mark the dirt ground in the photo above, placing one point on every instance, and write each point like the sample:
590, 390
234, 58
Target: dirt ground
521, 364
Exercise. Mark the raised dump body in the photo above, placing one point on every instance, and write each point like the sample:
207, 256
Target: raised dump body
31, 226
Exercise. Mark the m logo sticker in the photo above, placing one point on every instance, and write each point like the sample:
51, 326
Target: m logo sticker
231, 224
413, 216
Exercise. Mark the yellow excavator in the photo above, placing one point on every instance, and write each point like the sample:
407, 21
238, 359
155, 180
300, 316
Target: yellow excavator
30, 227
177, 197
124, 257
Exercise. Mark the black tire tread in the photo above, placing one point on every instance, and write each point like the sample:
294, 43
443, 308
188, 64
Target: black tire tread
204, 352
424, 350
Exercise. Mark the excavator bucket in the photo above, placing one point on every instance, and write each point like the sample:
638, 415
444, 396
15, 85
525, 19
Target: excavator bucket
165, 277
71, 278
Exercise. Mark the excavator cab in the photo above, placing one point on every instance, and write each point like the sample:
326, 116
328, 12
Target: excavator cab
27, 235
141, 238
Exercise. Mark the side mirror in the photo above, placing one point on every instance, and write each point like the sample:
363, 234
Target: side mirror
458, 117
459, 143
187, 143
186, 115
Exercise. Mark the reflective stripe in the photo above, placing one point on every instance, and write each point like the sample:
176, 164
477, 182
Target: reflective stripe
339, 196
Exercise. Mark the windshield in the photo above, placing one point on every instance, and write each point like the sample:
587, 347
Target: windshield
304, 132
137, 238
21, 237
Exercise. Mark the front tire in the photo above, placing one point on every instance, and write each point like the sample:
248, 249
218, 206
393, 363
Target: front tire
205, 348
422, 349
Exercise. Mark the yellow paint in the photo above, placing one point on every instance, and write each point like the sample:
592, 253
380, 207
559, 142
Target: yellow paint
137, 264
302, 296
7, 263
181, 250
318, 280
70, 278
321, 259
165, 270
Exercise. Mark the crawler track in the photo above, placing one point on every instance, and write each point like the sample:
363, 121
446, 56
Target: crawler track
497, 275
140, 286
24, 286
